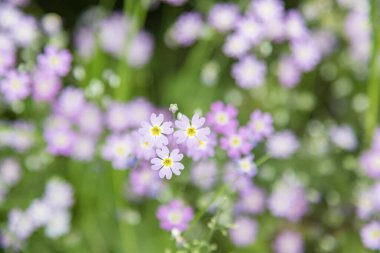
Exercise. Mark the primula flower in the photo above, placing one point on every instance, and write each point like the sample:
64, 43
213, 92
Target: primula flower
70, 103
115, 117
249, 28
267, 10
306, 54
204, 174
260, 125
60, 141
222, 118
288, 72
191, 132
7, 60
15, 86
175, 215
204, 149
119, 150
244, 231
247, 166
84, 147
145, 182
282, 144
251, 201
58, 225
236, 45
249, 72
288, 242
187, 28
20, 224
144, 146
370, 235
113, 34
157, 130
370, 162
46, 85
237, 143
140, 50
223, 16
10, 172
90, 120
25, 32
55, 60
344, 137
167, 162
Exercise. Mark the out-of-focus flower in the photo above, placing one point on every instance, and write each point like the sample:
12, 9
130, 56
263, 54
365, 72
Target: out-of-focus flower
204, 174
244, 231
222, 118
40, 212
344, 137
84, 147
118, 149
370, 162
51, 23
282, 144
295, 26
140, 50
191, 132
60, 141
237, 143
59, 194
70, 103
187, 28
251, 201
10, 172
249, 28
288, 72
58, 225
260, 125
370, 235
204, 149
46, 85
249, 72
113, 34
145, 182
20, 224
236, 180
157, 130
267, 10
306, 54
175, 215
15, 86
223, 16
247, 166
90, 120
25, 31
236, 45
167, 162
288, 200
55, 60
288, 242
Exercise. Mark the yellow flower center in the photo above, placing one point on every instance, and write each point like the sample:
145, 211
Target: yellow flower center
202, 144
167, 162
375, 234
235, 141
245, 165
120, 150
155, 130
145, 144
221, 118
259, 126
191, 131
175, 217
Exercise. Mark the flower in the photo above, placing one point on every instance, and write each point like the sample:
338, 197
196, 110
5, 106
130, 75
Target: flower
267, 10
20, 224
306, 53
288, 72
282, 144
204, 174
167, 162
223, 16
145, 182
370, 162
236, 45
15, 86
247, 166
46, 85
60, 141
260, 125
55, 60
10, 172
116, 117
118, 149
90, 120
140, 50
59, 194
222, 118
157, 130
295, 26
249, 28
173, 108
70, 103
191, 132
244, 232
204, 149
236, 143
344, 137
58, 225
251, 201
175, 215
187, 28
370, 235
288, 242
249, 72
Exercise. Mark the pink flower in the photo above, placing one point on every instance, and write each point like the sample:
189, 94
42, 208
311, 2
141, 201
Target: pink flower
370, 235
237, 143
191, 132
118, 149
222, 118
15, 86
55, 60
260, 125
249, 72
175, 215
167, 162
45, 85
157, 130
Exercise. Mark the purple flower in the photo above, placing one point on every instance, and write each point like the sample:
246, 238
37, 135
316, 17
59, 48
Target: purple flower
370, 235
138, 110
370, 162
175, 215
167, 162
247, 166
306, 54
113, 34
260, 125
20, 224
236, 45
295, 26
251, 201
144, 146
204, 174
191, 132
344, 137
282, 144
288, 72
25, 31
10, 172
157, 130
116, 117
70, 103
60, 141
46, 85
55, 60
223, 16
267, 10
236, 180
288, 242
15, 86
237, 143
187, 28
59, 194
249, 72
222, 118
145, 182
368, 202
84, 148
90, 120
204, 149
7, 61
84, 42
140, 50
244, 232
249, 28
118, 149
288, 200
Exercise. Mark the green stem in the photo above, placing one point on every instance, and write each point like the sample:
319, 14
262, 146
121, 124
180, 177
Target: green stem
374, 73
